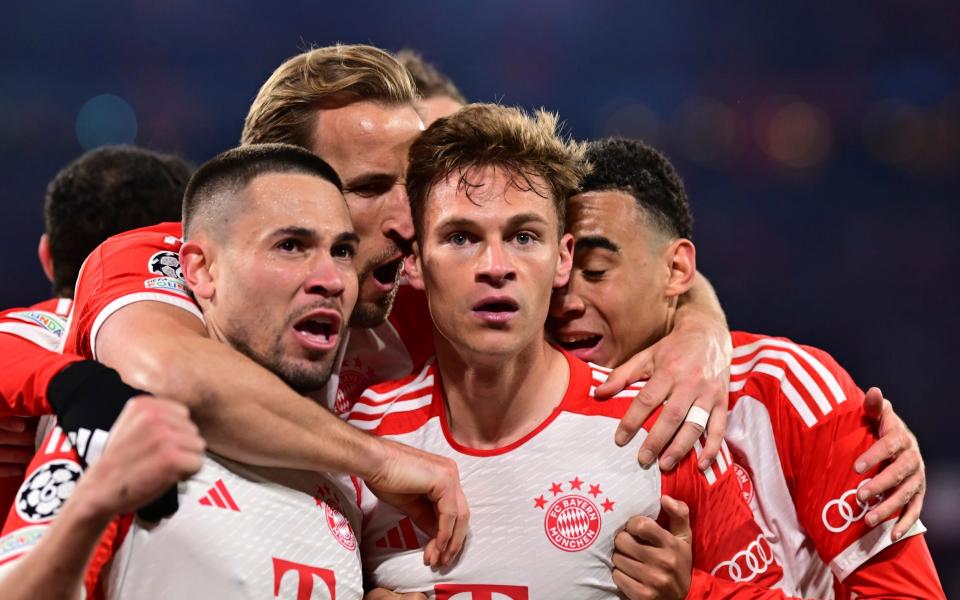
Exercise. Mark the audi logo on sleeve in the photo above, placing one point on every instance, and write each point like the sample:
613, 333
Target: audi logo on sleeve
840, 513
747, 563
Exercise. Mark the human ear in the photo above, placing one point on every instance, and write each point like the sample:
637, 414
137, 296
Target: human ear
195, 264
681, 256
564, 261
412, 268
46, 259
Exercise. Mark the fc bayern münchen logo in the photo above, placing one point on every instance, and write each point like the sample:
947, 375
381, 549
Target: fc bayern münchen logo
572, 523
338, 523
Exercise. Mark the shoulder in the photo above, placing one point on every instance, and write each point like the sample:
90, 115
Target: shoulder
38, 324
581, 392
396, 407
776, 368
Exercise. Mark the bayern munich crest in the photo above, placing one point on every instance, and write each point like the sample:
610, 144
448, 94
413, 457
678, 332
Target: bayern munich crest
572, 521
338, 523
746, 484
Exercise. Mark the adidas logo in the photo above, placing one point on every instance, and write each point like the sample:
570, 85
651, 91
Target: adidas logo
401, 537
219, 496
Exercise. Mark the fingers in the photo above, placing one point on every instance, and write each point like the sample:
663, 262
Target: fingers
716, 427
910, 515
631, 588
7, 471
647, 400
678, 514
18, 438
885, 449
458, 539
636, 368
873, 403
896, 500
16, 456
646, 530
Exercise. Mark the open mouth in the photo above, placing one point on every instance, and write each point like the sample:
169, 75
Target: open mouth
573, 343
496, 310
386, 274
318, 330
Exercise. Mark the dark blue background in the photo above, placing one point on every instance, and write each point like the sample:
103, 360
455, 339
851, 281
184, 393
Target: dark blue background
819, 142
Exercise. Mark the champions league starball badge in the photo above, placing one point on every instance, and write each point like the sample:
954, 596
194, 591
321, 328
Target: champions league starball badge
44, 492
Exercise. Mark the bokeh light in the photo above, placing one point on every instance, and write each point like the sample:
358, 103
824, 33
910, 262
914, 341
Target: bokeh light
707, 132
797, 135
631, 119
106, 119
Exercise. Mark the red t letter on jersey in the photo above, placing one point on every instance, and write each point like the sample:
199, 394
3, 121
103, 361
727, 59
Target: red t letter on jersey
305, 575
476, 591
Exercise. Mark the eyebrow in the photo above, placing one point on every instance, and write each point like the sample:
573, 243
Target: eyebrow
294, 231
514, 221
347, 236
370, 179
595, 241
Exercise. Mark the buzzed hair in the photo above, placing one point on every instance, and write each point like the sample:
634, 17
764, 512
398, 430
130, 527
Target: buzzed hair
431, 83
480, 135
328, 77
633, 167
226, 174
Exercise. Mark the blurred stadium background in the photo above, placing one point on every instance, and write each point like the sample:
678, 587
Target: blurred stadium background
820, 144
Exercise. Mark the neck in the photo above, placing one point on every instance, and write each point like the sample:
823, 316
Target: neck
493, 401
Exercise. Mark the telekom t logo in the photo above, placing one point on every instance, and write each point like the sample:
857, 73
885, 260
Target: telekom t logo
305, 575
476, 591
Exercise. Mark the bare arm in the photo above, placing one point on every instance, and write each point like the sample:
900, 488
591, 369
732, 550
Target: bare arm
690, 367
248, 414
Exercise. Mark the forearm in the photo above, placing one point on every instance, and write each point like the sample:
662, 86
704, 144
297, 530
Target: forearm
245, 412
55, 568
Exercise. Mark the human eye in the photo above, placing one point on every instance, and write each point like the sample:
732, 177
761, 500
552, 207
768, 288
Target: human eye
458, 238
525, 238
593, 274
289, 245
345, 251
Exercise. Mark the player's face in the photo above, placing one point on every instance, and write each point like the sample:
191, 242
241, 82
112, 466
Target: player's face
285, 278
614, 304
367, 143
431, 109
488, 262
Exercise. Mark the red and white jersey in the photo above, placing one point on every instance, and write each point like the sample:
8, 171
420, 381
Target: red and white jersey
795, 428
135, 266
386, 352
29, 339
240, 532
545, 509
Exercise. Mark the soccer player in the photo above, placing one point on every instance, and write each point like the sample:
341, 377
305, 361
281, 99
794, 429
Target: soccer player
101, 193
266, 229
439, 96
796, 424
548, 486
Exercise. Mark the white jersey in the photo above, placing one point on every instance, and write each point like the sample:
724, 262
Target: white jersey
545, 509
251, 533
795, 428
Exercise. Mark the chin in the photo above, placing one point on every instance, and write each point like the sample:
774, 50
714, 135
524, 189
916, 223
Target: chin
372, 313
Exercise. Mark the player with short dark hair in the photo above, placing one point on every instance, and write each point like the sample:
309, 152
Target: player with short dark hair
796, 424
101, 193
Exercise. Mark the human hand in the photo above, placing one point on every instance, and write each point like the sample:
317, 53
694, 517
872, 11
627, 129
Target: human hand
151, 447
427, 488
690, 367
17, 441
382, 594
904, 477
651, 562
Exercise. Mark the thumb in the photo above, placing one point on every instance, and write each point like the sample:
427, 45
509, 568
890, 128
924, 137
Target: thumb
873, 403
678, 515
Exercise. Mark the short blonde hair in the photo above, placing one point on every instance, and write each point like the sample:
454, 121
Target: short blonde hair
327, 77
481, 135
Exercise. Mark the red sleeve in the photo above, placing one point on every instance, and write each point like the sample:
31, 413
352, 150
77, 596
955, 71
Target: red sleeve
410, 316
27, 370
903, 570
135, 266
51, 477
817, 412
727, 542
707, 587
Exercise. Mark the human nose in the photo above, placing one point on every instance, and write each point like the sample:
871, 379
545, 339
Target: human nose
566, 303
397, 222
325, 278
495, 266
